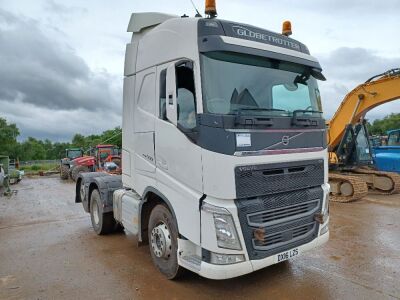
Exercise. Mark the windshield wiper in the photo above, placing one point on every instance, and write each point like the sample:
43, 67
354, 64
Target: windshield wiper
304, 121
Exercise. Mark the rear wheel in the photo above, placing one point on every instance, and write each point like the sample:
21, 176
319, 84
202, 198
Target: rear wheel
77, 170
102, 223
163, 242
64, 172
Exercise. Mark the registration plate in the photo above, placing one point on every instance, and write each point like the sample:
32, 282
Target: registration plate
287, 255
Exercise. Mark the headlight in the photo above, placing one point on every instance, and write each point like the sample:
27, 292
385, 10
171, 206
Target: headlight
225, 229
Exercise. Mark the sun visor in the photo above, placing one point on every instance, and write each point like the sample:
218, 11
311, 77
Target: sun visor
230, 44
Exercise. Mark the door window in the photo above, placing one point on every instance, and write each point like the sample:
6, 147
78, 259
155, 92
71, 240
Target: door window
186, 96
163, 96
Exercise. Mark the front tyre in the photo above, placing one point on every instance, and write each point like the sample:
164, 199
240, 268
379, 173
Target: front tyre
102, 223
163, 242
64, 172
78, 170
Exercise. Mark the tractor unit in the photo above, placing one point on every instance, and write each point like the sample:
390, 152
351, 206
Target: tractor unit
225, 163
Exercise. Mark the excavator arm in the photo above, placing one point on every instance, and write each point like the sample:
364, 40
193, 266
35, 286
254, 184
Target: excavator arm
376, 91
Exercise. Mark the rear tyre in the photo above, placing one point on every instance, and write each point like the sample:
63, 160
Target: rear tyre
163, 242
102, 223
78, 170
64, 172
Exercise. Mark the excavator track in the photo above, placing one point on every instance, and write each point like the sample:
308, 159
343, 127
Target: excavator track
393, 177
359, 188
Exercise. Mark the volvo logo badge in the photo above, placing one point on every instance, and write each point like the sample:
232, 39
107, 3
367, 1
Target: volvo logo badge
285, 140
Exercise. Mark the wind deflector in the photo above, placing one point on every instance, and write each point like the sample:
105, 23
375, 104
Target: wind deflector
140, 21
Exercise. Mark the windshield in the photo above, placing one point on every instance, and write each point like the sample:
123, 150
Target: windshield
363, 147
237, 83
394, 139
74, 153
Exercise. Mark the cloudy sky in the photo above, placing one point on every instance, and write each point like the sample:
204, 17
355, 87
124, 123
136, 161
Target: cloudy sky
61, 62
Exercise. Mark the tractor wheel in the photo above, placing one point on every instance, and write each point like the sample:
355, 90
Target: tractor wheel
78, 170
64, 172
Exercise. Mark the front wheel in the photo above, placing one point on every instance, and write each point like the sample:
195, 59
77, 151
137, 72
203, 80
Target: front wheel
64, 172
78, 170
163, 242
102, 223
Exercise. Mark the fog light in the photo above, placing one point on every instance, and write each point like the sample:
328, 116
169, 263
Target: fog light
324, 229
226, 259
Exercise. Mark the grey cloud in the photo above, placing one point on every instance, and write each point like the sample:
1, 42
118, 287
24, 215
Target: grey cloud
356, 64
343, 6
345, 68
38, 70
57, 125
63, 10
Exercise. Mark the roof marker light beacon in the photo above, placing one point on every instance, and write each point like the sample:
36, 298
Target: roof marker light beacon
224, 159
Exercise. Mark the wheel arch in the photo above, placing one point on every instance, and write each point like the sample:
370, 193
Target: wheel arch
152, 197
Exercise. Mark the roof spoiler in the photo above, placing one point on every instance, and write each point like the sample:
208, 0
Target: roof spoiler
140, 21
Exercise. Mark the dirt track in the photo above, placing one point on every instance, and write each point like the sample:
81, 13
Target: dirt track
49, 251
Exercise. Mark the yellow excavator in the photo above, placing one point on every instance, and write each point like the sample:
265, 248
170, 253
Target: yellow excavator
350, 154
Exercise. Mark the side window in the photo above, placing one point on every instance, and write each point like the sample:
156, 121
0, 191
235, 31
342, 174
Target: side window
186, 96
163, 91
394, 139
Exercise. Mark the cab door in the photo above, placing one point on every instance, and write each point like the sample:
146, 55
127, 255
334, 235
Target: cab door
178, 158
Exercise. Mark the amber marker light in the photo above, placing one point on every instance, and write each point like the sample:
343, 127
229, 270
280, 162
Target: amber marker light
211, 8
287, 28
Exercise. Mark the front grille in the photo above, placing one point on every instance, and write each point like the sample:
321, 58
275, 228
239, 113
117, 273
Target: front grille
259, 180
282, 221
277, 215
278, 239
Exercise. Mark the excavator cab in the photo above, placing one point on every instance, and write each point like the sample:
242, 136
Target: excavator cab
355, 149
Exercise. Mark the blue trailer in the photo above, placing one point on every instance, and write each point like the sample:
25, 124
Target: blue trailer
387, 158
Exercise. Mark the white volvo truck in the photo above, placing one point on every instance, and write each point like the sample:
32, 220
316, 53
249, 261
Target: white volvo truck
224, 152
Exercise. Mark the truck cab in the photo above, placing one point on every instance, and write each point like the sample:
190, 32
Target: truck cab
224, 155
387, 158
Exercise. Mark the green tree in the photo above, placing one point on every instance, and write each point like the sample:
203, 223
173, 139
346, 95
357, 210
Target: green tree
381, 126
8, 138
33, 149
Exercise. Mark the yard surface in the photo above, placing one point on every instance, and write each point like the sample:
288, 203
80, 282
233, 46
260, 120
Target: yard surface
48, 250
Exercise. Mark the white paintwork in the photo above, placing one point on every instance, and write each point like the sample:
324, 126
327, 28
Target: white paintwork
171, 95
140, 21
267, 47
158, 155
230, 271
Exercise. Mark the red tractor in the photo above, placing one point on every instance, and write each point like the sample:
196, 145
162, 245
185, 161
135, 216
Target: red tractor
103, 158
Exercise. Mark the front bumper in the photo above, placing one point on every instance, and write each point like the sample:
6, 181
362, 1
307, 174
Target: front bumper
230, 271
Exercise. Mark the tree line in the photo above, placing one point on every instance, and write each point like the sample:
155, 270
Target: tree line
35, 149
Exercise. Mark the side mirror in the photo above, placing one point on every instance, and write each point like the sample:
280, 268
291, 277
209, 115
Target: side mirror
317, 74
171, 101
